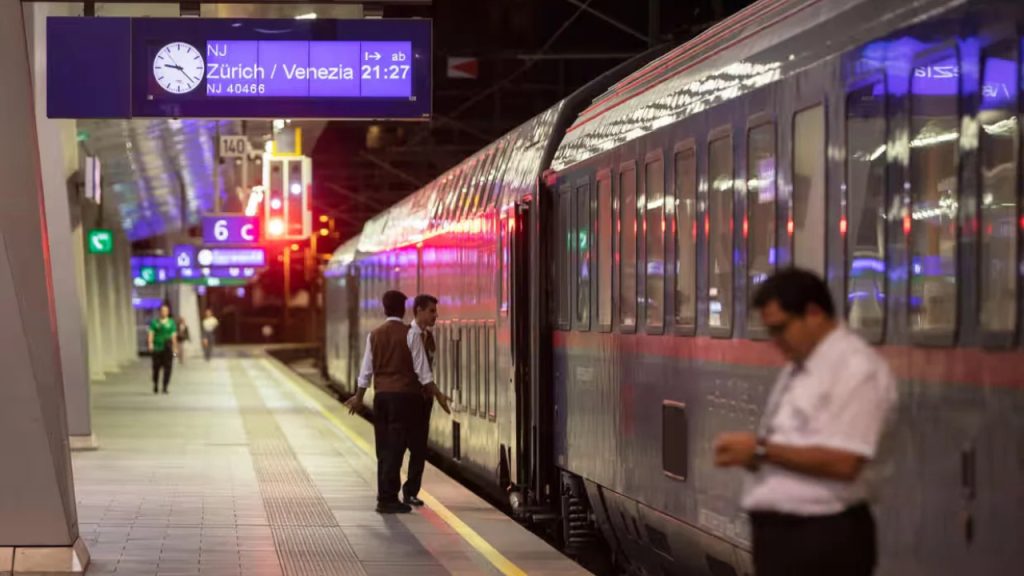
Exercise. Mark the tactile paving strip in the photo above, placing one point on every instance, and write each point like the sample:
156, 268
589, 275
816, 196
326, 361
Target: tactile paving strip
306, 534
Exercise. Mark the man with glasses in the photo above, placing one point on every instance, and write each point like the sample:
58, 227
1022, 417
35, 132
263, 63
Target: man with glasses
807, 489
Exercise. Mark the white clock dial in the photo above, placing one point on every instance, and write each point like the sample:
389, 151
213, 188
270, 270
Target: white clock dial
179, 68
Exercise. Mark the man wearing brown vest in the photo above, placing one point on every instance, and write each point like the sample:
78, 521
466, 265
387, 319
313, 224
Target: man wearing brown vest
398, 366
424, 316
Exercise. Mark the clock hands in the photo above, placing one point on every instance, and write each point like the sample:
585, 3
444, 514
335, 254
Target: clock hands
174, 65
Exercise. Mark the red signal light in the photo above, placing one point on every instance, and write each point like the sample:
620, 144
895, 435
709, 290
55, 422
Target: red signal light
276, 227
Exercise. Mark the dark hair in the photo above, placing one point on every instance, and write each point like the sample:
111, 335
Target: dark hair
394, 303
794, 289
422, 302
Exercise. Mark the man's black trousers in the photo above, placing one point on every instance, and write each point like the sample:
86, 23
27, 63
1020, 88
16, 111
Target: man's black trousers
418, 449
837, 545
395, 420
162, 359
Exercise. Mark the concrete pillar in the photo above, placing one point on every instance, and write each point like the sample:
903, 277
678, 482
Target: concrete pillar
110, 322
59, 160
38, 521
126, 316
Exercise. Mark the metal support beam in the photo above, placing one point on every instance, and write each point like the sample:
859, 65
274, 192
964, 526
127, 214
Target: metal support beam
585, 6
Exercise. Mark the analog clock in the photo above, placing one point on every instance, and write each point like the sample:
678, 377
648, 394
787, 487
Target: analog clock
179, 68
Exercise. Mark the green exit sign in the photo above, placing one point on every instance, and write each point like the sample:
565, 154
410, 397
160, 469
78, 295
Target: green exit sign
101, 241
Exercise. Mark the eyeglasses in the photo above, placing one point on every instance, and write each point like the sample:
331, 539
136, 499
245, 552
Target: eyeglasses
779, 329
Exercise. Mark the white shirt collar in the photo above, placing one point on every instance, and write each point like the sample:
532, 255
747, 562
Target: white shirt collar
821, 355
393, 319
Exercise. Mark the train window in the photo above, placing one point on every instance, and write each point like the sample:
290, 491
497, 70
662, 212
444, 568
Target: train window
934, 162
627, 248
474, 369
999, 133
583, 250
604, 251
654, 230
759, 224
492, 351
865, 209
720, 235
564, 259
808, 213
686, 237
503, 253
485, 369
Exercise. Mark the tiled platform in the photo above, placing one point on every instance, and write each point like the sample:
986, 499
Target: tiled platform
245, 469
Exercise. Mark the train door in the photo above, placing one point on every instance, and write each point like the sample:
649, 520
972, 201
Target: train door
521, 272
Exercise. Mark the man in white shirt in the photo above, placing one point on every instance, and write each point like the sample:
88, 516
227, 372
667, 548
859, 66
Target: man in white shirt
396, 361
424, 317
807, 491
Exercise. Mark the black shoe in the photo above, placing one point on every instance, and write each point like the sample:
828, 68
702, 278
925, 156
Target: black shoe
165, 390
393, 508
156, 390
413, 501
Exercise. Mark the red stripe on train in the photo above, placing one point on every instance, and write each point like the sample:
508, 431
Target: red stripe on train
973, 366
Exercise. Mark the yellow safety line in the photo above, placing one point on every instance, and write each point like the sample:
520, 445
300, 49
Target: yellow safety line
497, 559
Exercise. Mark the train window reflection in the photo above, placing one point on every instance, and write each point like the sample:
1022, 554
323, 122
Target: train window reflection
934, 161
808, 216
604, 251
999, 134
686, 237
865, 209
720, 240
564, 259
627, 247
583, 242
760, 224
654, 226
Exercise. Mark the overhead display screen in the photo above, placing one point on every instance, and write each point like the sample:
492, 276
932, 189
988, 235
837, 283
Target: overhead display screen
247, 68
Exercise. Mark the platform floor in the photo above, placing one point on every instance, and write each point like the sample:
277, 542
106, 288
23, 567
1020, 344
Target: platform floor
246, 469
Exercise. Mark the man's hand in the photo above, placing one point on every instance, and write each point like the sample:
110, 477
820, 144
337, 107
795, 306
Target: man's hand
735, 449
442, 400
434, 391
354, 404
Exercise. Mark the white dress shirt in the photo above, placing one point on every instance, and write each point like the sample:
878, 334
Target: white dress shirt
841, 397
419, 357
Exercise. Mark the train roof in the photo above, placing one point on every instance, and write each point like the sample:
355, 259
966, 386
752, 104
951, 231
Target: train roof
495, 176
756, 46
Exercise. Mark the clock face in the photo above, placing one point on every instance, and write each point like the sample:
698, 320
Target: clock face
179, 68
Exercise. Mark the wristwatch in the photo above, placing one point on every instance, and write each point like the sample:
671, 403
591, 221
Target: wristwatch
760, 452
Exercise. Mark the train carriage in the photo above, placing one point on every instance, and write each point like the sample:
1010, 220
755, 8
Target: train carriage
595, 265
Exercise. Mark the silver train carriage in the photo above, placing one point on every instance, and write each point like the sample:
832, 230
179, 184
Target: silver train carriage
594, 268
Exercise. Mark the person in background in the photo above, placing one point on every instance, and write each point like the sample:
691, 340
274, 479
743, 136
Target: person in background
424, 316
210, 324
183, 337
807, 491
397, 363
162, 341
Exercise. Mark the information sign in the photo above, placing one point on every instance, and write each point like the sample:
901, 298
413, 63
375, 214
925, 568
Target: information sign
184, 255
231, 229
101, 241
247, 257
241, 68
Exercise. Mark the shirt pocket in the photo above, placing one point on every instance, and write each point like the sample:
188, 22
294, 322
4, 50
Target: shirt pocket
804, 408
